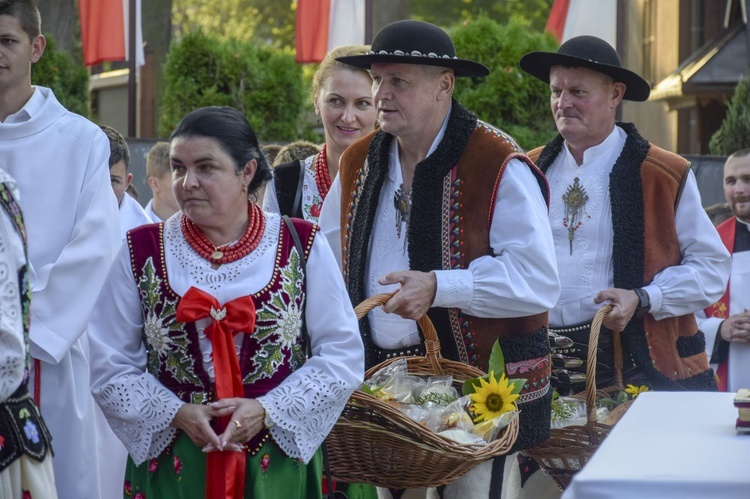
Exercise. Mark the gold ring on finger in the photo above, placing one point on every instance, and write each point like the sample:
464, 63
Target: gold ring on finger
237, 424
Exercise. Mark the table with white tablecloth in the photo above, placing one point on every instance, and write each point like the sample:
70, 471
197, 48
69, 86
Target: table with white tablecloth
670, 445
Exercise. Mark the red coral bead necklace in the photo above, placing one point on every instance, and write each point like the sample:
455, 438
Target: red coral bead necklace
322, 175
226, 253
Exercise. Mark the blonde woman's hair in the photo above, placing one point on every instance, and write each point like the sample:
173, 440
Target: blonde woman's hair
329, 65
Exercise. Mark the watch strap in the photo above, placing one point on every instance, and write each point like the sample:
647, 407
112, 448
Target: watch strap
644, 305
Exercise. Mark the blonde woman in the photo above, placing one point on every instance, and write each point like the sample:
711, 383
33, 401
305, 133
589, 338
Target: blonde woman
342, 97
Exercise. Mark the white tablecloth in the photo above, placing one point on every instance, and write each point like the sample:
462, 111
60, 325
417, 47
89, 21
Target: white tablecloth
670, 445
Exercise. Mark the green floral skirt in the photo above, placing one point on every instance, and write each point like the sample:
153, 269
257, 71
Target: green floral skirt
180, 473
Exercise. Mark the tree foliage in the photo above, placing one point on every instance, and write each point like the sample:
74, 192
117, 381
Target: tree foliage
264, 84
66, 76
269, 22
508, 98
734, 133
447, 12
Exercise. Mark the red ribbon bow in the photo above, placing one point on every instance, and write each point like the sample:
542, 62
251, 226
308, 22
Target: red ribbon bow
225, 471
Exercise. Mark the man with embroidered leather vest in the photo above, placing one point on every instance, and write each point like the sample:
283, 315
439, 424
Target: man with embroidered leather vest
727, 322
628, 225
448, 212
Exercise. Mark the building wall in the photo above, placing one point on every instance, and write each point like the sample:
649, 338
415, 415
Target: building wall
653, 119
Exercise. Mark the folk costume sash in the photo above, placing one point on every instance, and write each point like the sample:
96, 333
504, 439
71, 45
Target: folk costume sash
453, 199
225, 470
645, 186
727, 231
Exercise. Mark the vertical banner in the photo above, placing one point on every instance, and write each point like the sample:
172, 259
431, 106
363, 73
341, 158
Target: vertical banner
104, 31
324, 24
571, 18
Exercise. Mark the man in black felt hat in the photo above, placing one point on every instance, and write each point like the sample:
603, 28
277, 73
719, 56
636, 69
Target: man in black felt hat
448, 212
628, 226
629, 230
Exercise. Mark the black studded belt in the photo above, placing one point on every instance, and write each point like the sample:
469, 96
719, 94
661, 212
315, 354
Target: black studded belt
570, 348
385, 353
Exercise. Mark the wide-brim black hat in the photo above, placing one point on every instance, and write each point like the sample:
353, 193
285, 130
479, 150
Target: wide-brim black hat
415, 42
587, 52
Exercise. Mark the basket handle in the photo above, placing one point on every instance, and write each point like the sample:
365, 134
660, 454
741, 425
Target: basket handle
596, 326
431, 342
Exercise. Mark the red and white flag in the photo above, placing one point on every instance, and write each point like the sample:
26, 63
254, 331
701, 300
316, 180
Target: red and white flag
105, 31
571, 18
324, 24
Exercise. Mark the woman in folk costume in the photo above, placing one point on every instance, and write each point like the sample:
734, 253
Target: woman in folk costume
25, 452
342, 97
198, 345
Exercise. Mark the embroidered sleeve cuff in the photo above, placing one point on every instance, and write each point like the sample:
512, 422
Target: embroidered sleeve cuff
454, 288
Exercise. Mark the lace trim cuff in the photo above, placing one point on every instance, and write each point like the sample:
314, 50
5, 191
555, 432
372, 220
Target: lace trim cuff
140, 410
303, 410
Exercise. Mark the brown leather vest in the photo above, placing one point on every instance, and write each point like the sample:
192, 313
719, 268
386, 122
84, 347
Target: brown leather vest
673, 347
453, 197
469, 197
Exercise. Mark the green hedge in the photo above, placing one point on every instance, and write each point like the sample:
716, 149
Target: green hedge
67, 77
263, 83
508, 98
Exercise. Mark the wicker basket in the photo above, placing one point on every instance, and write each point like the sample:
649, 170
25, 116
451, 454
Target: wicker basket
375, 443
569, 448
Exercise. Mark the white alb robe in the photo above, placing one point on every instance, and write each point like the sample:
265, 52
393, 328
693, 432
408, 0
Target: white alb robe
60, 162
132, 215
150, 213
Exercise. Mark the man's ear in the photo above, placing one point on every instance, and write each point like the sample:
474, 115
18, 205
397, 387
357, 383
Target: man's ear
446, 82
37, 48
128, 179
618, 92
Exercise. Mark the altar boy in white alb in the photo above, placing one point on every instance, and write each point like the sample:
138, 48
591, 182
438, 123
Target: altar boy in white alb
132, 214
59, 161
726, 323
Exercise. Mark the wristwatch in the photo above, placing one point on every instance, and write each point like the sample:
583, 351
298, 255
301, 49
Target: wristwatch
644, 305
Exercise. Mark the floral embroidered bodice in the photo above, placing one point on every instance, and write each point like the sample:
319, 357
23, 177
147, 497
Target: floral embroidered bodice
175, 357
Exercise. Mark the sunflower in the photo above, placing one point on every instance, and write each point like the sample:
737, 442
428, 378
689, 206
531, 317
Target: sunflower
492, 399
634, 391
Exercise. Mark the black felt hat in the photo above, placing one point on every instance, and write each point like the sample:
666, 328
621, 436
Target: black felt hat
587, 52
415, 42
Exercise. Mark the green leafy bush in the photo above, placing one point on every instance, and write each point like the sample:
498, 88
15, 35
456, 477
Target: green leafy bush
508, 98
734, 133
263, 83
66, 76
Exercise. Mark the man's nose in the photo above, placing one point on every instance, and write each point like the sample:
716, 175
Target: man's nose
564, 100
